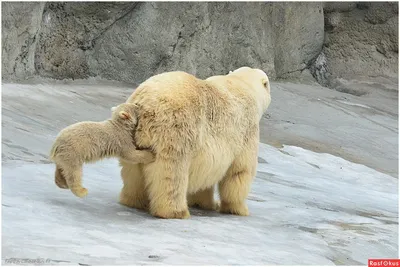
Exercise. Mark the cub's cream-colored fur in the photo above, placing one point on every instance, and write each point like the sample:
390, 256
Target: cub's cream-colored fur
204, 133
91, 141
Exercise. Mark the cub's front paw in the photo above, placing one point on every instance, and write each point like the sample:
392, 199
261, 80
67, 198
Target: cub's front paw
148, 157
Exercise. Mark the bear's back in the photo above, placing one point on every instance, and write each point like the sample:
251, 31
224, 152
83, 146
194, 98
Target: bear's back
178, 107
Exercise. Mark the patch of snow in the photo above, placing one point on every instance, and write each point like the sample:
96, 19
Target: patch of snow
305, 208
353, 104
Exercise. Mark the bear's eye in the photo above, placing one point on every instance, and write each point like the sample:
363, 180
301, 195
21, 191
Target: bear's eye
265, 83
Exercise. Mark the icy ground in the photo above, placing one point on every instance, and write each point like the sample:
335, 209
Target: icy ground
306, 208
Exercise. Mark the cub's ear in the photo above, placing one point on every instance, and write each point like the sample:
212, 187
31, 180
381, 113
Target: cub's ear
230, 72
124, 115
113, 108
135, 106
134, 109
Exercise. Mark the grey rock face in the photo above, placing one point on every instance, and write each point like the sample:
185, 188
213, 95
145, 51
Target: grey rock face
339, 6
361, 40
20, 26
300, 35
68, 30
209, 38
131, 41
319, 70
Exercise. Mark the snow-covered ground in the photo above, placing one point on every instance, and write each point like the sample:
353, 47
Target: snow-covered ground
306, 208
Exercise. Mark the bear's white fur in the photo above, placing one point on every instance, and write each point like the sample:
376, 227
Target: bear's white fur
203, 132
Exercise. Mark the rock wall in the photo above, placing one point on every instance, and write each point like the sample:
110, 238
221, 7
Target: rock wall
20, 25
361, 40
130, 41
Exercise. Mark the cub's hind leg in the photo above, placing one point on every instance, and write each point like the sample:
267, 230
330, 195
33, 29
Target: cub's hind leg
73, 176
60, 179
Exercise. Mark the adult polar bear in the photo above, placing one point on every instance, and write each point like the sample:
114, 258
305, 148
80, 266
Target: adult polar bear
203, 132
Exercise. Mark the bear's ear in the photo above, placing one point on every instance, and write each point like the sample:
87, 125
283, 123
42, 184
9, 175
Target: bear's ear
113, 108
230, 72
265, 83
124, 115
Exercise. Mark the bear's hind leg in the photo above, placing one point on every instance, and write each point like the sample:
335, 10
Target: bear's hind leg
73, 176
60, 179
167, 183
133, 194
203, 199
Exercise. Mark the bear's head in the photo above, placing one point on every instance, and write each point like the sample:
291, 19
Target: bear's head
258, 81
125, 114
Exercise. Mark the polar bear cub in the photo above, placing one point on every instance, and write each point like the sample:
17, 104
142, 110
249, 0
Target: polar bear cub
91, 141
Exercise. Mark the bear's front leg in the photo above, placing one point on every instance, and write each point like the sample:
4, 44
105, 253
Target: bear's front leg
235, 186
203, 199
133, 194
167, 183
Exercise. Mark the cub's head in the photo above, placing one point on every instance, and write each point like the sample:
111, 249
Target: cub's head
259, 82
125, 114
